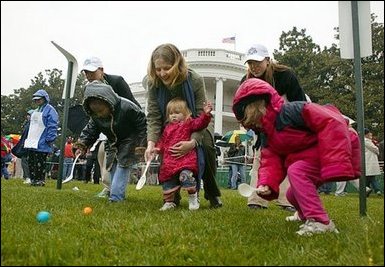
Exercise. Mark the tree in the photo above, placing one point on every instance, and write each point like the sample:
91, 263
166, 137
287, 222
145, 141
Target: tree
15, 106
327, 78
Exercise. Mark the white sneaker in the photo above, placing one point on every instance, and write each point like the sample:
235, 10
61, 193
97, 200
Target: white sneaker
104, 193
27, 181
293, 218
193, 201
168, 206
311, 227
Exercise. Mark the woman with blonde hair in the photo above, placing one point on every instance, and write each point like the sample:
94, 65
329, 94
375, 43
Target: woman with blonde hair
169, 77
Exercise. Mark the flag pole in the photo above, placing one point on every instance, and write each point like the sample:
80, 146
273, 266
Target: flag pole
235, 40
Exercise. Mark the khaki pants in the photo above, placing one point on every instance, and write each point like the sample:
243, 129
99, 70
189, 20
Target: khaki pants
257, 200
106, 180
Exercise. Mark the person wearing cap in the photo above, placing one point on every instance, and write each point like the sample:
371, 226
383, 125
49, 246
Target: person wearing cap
283, 80
42, 132
93, 70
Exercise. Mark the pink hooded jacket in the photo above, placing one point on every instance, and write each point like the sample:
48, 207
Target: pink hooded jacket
300, 131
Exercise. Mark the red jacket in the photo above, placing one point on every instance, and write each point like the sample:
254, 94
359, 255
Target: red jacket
300, 131
174, 133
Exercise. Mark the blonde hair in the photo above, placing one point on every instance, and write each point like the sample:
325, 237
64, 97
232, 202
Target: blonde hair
272, 67
177, 105
254, 110
171, 55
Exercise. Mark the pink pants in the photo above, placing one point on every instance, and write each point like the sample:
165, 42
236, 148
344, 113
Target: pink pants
304, 180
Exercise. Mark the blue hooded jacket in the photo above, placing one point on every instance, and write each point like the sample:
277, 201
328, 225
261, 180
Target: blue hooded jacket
50, 119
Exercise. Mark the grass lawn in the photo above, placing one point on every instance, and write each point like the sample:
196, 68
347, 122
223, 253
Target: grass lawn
135, 232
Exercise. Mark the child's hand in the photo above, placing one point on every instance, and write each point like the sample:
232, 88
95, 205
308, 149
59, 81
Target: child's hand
263, 190
208, 107
157, 150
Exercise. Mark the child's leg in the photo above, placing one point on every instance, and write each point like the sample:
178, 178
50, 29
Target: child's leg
187, 181
119, 181
170, 189
304, 178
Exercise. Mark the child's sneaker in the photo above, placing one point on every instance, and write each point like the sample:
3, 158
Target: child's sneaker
193, 201
311, 227
168, 206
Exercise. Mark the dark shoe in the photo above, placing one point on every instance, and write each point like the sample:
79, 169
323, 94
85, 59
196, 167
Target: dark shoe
288, 208
38, 183
177, 198
256, 207
215, 202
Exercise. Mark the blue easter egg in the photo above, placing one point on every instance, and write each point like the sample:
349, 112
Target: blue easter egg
43, 216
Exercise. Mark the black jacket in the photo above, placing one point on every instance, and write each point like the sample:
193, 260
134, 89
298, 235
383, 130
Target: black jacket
125, 131
120, 87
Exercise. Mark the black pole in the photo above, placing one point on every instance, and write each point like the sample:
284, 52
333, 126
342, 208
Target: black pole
64, 126
359, 102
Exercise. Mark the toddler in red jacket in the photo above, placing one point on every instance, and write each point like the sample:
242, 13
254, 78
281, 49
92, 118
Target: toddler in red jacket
180, 172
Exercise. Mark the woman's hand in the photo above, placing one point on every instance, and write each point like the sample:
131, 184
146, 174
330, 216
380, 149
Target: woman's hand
182, 148
150, 151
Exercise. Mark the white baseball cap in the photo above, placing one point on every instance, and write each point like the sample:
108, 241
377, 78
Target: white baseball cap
257, 52
92, 64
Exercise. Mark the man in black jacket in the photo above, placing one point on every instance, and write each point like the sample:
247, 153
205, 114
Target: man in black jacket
93, 70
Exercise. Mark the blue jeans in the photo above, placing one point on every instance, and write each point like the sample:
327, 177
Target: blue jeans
67, 165
119, 180
235, 168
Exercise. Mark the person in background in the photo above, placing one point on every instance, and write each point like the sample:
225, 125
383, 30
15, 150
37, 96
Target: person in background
309, 143
24, 158
124, 124
42, 133
236, 154
6, 157
169, 77
68, 158
372, 166
281, 78
93, 164
182, 172
19, 151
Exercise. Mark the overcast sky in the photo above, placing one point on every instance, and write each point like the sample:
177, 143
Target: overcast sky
123, 34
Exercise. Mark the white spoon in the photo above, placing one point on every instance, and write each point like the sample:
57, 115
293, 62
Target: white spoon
143, 178
246, 190
69, 178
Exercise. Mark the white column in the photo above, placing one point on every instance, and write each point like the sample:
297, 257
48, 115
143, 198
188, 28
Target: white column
218, 118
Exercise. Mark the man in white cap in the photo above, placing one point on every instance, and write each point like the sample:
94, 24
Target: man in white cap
93, 70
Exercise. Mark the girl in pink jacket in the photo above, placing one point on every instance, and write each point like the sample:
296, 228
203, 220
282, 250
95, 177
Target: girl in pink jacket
310, 143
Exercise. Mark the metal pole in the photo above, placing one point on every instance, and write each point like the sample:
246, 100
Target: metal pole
64, 126
359, 102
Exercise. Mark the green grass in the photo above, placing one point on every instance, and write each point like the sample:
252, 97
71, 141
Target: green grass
135, 232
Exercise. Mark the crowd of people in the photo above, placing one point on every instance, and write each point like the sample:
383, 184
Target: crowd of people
301, 148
